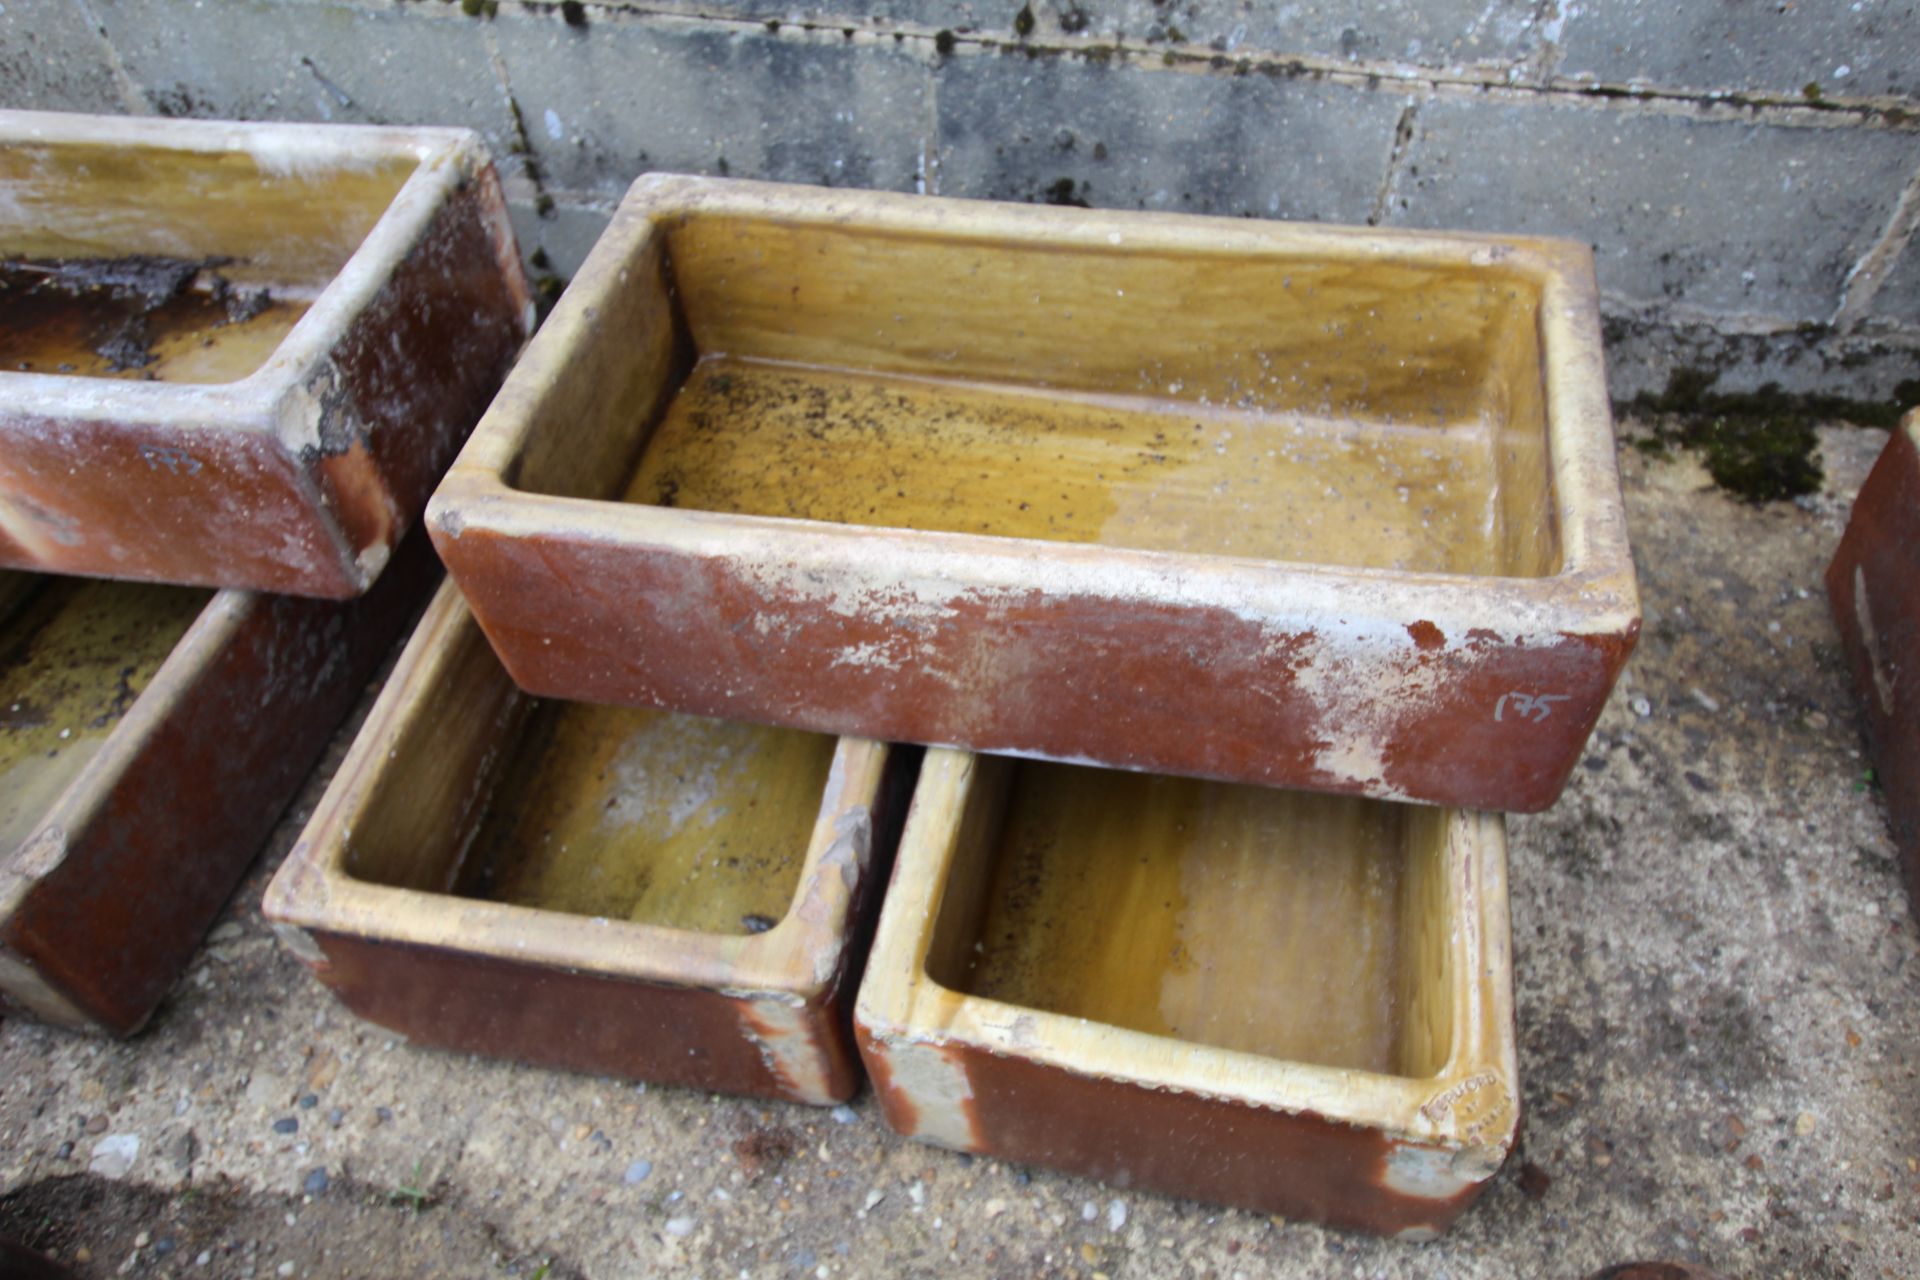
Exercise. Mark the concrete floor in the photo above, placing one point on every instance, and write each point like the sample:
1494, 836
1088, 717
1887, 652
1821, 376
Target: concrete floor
1719, 1020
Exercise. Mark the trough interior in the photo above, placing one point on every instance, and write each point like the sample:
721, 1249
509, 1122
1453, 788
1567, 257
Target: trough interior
168, 264
1368, 412
74, 655
1300, 927
612, 812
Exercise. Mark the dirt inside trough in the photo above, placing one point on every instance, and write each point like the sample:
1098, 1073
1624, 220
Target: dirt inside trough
140, 316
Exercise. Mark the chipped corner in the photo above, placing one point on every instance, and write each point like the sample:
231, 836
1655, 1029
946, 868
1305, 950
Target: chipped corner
301, 945
923, 1088
796, 1041
1475, 1123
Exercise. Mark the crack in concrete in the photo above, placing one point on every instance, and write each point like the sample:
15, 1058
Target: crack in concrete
334, 91
929, 176
521, 147
131, 93
1396, 156
1864, 280
1549, 19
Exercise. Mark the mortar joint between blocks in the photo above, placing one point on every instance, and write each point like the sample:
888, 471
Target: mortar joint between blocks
1531, 77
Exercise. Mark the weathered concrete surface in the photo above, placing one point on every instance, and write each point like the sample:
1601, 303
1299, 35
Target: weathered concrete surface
1718, 983
1848, 48
1898, 298
605, 103
1729, 205
1689, 212
565, 233
1435, 33
1645, 346
53, 59
1429, 32
1014, 128
267, 60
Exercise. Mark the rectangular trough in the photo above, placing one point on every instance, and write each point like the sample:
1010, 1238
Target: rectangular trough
150, 737
604, 889
240, 355
1300, 1004
1306, 506
1874, 587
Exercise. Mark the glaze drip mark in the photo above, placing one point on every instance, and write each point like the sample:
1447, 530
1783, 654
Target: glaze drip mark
1427, 636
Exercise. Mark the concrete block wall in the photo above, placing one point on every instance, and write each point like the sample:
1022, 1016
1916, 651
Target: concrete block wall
1748, 173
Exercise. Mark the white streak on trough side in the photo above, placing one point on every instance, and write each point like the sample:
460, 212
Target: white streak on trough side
788, 1038
935, 1083
1870, 640
307, 153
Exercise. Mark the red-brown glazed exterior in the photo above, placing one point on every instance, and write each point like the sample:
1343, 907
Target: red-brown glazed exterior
1874, 586
1163, 688
1295, 1164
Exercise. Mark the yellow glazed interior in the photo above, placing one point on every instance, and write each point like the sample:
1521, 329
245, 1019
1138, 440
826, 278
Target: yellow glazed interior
661, 819
1373, 411
610, 812
1296, 926
74, 654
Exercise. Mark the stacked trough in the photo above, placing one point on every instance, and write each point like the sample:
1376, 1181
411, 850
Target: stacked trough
1155, 612
234, 360
1230, 572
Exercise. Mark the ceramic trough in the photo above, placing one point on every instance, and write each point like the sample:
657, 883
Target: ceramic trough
240, 355
604, 889
1299, 1004
1315, 507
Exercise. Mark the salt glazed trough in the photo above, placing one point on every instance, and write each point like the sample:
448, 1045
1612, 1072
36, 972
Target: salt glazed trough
1296, 1003
606, 889
1874, 586
240, 355
150, 737
1314, 507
